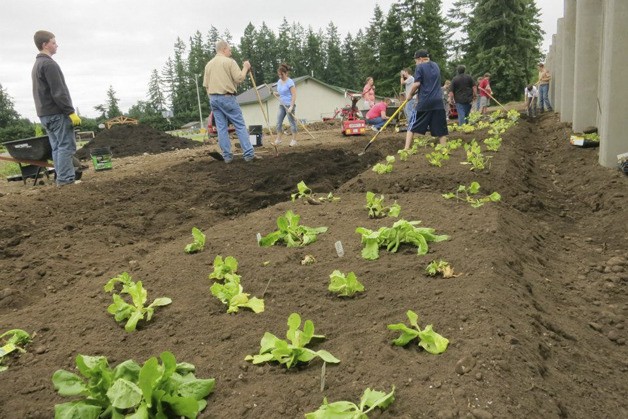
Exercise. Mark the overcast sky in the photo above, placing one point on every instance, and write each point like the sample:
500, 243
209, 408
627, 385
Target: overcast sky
119, 43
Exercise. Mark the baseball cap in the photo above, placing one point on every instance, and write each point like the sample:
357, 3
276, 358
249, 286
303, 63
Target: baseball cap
421, 54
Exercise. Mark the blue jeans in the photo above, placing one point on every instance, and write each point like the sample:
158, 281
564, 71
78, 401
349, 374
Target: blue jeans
410, 108
63, 144
544, 97
464, 109
377, 122
282, 114
226, 109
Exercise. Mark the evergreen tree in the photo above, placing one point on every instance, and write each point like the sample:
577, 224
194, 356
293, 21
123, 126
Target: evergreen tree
283, 42
168, 79
156, 98
349, 47
266, 55
459, 16
335, 72
314, 59
504, 41
112, 104
369, 48
247, 52
393, 56
8, 114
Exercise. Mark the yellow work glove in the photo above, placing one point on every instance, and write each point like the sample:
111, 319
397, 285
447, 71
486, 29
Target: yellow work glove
75, 119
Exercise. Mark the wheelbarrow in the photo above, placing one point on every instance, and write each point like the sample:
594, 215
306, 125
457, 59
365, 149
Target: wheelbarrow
32, 155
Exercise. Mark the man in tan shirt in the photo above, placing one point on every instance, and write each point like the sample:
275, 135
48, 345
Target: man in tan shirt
543, 83
222, 75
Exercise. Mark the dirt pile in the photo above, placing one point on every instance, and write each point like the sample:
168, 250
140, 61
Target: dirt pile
134, 140
536, 320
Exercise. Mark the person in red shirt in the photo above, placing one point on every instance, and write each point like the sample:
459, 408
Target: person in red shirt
376, 116
485, 91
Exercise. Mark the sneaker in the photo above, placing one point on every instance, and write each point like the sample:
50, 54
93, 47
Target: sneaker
374, 129
277, 141
250, 159
293, 143
228, 161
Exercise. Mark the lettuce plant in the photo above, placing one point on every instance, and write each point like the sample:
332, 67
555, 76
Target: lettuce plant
376, 208
223, 267
290, 353
291, 233
231, 294
381, 168
135, 312
199, 242
12, 340
401, 232
469, 195
347, 410
344, 285
129, 390
429, 340
440, 267
305, 193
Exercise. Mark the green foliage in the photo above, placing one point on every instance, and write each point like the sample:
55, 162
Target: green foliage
290, 353
391, 238
440, 154
10, 341
376, 207
506, 42
370, 400
493, 143
469, 195
291, 233
230, 292
305, 193
154, 390
135, 312
474, 117
223, 267
475, 158
440, 267
429, 340
387, 167
199, 241
344, 285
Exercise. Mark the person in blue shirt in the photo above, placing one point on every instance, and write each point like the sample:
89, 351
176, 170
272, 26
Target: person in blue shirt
430, 111
287, 95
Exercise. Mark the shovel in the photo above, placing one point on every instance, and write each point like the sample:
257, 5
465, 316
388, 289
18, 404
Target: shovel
384, 126
496, 101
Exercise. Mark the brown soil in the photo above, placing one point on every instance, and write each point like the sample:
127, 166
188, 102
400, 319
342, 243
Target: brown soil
135, 140
536, 321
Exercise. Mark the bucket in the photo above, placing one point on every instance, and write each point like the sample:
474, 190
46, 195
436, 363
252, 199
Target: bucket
255, 135
101, 157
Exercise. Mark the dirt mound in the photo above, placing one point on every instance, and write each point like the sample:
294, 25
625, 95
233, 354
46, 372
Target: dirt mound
536, 320
134, 140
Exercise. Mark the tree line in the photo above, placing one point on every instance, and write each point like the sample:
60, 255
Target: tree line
496, 36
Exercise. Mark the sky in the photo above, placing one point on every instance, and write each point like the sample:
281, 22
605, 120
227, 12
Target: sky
118, 43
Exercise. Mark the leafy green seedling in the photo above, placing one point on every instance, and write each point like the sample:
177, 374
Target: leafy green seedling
305, 193
513, 115
344, 285
429, 340
376, 207
401, 232
274, 349
153, 390
469, 195
440, 267
231, 293
199, 242
223, 267
370, 400
381, 168
493, 143
135, 312
475, 157
291, 233
12, 340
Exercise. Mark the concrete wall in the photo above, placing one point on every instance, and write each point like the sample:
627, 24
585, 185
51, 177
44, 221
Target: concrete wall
590, 69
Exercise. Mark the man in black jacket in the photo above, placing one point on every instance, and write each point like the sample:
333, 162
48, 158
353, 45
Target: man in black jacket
462, 92
54, 107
